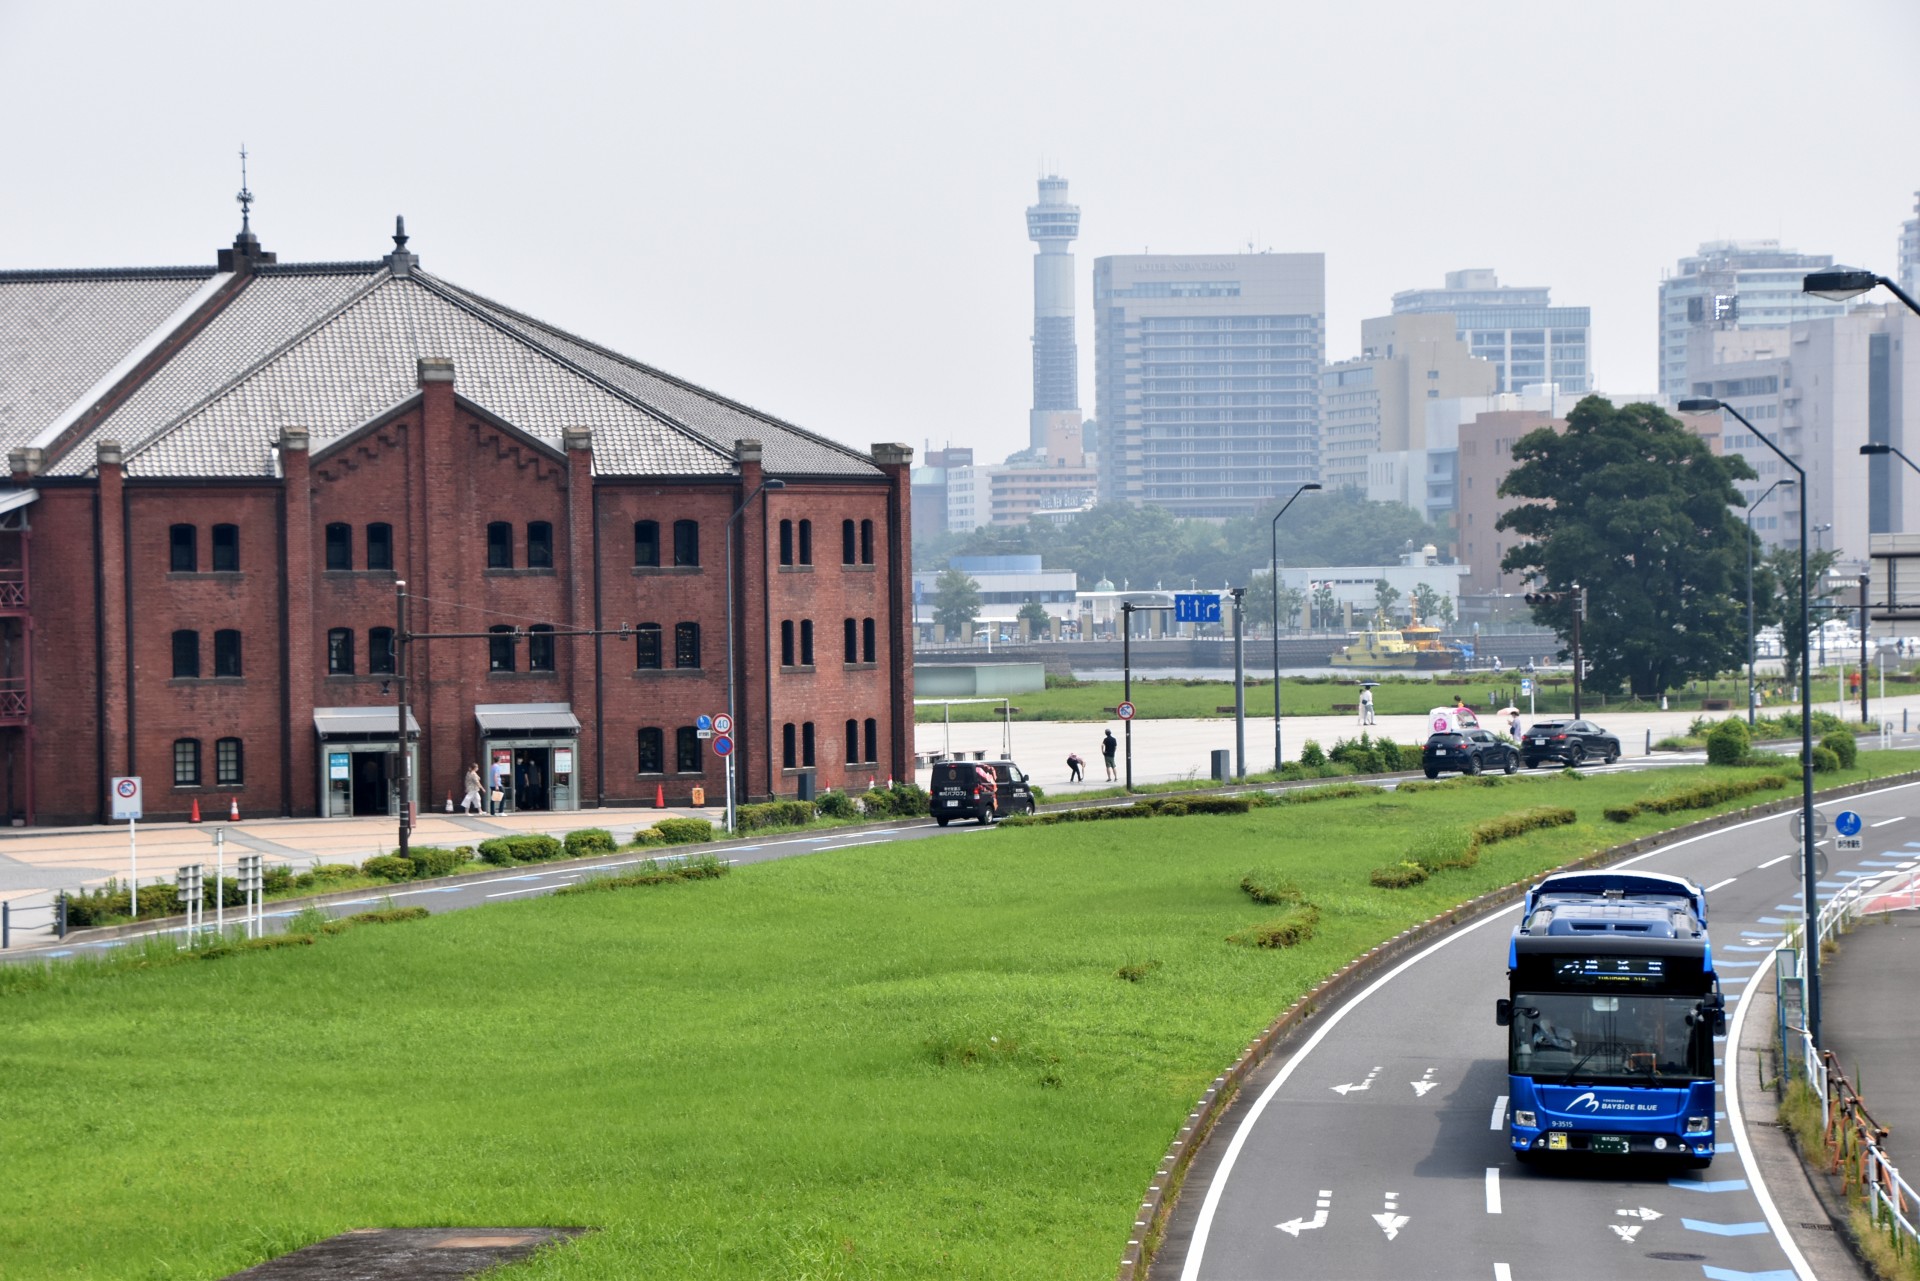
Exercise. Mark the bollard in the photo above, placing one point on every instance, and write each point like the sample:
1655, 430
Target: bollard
60, 922
6, 924
1649, 751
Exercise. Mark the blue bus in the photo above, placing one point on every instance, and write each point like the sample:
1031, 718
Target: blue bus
1611, 1012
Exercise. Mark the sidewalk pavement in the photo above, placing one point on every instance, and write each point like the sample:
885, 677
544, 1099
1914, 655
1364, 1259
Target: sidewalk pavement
1867, 1020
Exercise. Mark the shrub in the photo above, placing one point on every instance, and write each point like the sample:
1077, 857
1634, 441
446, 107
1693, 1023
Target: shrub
1393, 757
910, 800
388, 916
837, 805
645, 836
1267, 886
1311, 756
1360, 754
1507, 826
705, 867
1703, 795
1167, 809
1218, 804
436, 860
1621, 813
1841, 743
1825, 761
1728, 742
329, 872
1398, 876
1294, 928
505, 851
752, 818
1331, 792
277, 879
683, 831
588, 841
388, 867
1439, 849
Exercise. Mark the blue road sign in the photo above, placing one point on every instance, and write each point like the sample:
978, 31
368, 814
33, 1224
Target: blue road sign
723, 746
1196, 607
1846, 823
703, 722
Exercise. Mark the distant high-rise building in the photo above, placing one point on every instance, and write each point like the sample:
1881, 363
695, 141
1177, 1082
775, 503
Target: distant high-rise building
1053, 224
1516, 327
1377, 402
1910, 251
1207, 373
1729, 286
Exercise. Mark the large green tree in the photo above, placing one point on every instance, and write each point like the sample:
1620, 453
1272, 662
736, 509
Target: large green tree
1638, 511
956, 603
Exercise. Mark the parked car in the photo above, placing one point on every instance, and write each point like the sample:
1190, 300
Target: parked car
1570, 741
1467, 751
979, 790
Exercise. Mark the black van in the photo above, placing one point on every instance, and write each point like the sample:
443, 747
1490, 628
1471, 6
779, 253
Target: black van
958, 791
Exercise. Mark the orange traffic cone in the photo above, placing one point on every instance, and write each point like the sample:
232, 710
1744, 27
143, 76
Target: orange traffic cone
659, 796
449, 802
195, 816
233, 809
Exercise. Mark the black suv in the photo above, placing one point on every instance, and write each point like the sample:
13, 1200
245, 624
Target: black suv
1468, 751
1573, 742
960, 789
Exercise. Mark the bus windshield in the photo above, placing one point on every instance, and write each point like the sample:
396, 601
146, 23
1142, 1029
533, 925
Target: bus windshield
1619, 1039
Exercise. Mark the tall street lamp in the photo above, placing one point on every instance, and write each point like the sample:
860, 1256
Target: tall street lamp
1756, 502
1845, 282
1810, 890
738, 737
1872, 449
1279, 758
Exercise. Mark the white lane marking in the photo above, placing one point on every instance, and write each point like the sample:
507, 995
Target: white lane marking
1883, 822
1499, 1112
526, 889
1770, 862
1730, 880
1216, 1187
1493, 1189
1501, 1272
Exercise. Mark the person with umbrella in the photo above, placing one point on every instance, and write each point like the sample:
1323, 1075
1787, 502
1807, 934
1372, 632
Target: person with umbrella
1366, 703
1513, 721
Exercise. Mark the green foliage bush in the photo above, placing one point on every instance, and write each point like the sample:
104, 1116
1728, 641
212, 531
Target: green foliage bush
1311, 756
645, 836
1507, 826
1331, 792
1264, 885
327, 873
388, 867
683, 831
1441, 849
1290, 930
388, 916
585, 842
752, 818
704, 867
1398, 876
837, 805
437, 860
1698, 797
533, 847
1728, 742
1825, 761
277, 879
1841, 743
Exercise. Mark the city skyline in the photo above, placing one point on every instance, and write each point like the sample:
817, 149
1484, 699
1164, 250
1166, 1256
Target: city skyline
682, 186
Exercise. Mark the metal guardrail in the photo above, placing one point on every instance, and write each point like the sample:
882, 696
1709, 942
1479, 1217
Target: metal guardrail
1853, 1140
21, 917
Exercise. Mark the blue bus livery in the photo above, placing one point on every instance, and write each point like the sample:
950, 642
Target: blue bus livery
1611, 1012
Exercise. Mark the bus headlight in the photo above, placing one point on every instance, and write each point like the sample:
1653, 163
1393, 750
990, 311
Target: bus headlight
1523, 1117
1699, 1124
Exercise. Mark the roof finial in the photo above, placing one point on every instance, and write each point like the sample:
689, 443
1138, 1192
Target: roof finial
245, 197
400, 262
400, 232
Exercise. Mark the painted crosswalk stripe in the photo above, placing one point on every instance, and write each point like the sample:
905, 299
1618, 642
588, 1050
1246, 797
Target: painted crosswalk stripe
1772, 920
1729, 1274
1499, 1112
1735, 947
1725, 1229
1493, 1189
1708, 1185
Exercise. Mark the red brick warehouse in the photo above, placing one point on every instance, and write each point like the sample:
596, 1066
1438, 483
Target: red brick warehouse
220, 474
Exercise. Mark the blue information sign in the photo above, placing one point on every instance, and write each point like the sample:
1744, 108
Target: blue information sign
1196, 607
703, 722
1847, 823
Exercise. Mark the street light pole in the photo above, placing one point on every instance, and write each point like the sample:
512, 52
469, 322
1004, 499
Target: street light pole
400, 712
732, 716
1756, 502
1840, 285
1810, 890
1279, 756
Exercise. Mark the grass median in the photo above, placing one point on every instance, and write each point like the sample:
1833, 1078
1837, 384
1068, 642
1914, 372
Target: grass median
960, 1057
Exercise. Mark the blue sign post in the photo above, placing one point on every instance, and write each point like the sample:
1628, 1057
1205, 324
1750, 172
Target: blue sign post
1196, 607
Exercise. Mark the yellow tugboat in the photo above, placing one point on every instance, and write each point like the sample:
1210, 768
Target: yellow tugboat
1416, 647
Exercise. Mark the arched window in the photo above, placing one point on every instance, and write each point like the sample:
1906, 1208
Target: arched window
540, 544
853, 742
226, 652
226, 549
499, 544
380, 655
852, 637
646, 646
646, 542
866, 542
806, 542
686, 749
229, 763
686, 644
873, 740
806, 642
786, 542
340, 651
339, 546
653, 751
380, 545
540, 648
806, 744
849, 548
186, 654
868, 650
186, 762
686, 542
786, 642
183, 543
500, 648
789, 753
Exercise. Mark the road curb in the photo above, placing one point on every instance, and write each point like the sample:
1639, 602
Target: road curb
1162, 1193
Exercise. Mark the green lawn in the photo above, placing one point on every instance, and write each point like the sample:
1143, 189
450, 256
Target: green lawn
894, 1061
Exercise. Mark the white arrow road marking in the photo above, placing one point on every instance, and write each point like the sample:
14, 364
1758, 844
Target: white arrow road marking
1642, 1213
1425, 1083
1294, 1227
1391, 1223
1364, 1085
1627, 1234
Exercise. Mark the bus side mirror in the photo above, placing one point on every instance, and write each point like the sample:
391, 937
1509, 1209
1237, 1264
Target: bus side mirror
1503, 1012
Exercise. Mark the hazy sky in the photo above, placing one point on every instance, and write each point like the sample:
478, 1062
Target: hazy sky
819, 208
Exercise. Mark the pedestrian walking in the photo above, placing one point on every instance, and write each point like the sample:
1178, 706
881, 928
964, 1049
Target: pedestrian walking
1074, 764
1366, 706
470, 803
502, 775
1108, 746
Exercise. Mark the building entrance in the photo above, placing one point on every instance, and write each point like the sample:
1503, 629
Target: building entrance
372, 789
532, 778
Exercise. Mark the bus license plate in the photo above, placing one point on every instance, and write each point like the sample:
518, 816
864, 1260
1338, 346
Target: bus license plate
1609, 1144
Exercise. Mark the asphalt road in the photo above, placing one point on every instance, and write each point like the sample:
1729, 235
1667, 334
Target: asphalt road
1377, 1148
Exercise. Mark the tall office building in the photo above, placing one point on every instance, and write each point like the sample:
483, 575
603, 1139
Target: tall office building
1910, 251
1377, 402
1207, 373
1052, 224
1515, 326
1728, 287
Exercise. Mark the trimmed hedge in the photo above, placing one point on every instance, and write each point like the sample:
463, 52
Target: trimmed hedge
388, 916
1294, 928
1728, 743
1505, 827
752, 818
533, 847
1825, 760
837, 805
683, 831
1444, 849
588, 841
388, 867
1841, 743
902, 800
1267, 886
706, 867
1698, 797
1397, 876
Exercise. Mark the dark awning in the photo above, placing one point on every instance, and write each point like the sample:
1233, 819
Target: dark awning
340, 722
504, 719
